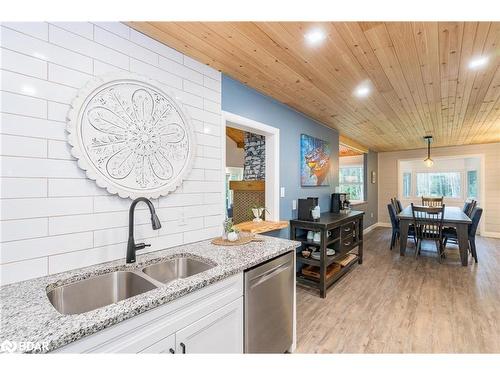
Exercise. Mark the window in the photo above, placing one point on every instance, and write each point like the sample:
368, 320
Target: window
351, 182
406, 184
232, 174
445, 184
472, 184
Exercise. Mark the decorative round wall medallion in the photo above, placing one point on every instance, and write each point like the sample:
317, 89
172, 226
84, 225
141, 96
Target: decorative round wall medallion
131, 136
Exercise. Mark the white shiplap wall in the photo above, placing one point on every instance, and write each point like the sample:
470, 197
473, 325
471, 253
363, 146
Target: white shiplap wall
53, 218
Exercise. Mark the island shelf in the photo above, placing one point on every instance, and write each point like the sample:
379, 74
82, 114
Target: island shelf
340, 232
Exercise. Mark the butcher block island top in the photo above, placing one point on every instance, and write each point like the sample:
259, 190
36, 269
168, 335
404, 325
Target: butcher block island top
261, 226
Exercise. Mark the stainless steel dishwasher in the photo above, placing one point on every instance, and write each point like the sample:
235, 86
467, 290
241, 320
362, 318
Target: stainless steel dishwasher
269, 306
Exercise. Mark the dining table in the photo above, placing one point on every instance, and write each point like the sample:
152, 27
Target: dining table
453, 217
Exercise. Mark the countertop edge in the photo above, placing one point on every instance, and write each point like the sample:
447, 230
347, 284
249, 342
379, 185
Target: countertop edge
120, 312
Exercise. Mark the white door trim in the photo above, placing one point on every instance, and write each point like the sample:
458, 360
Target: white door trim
272, 134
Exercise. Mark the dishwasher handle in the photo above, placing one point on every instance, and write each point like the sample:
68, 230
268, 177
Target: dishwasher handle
263, 277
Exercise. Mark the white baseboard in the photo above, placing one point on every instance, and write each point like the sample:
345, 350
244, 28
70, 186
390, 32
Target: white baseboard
370, 228
385, 225
490, 234
373, 226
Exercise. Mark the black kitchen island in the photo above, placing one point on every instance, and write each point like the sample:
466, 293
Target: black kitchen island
340, 232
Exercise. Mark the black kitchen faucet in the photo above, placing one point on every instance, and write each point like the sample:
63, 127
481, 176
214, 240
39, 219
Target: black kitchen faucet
132, 247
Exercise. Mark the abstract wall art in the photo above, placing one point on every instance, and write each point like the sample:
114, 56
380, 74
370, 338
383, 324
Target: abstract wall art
314, 161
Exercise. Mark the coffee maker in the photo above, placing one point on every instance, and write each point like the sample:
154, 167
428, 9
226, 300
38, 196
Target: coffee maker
339, 202
305, 208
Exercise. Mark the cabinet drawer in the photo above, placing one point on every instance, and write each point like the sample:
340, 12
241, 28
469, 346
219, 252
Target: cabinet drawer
347, 242
346, 230
166, 345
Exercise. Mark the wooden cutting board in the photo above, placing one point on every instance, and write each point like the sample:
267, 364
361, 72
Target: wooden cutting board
261, 226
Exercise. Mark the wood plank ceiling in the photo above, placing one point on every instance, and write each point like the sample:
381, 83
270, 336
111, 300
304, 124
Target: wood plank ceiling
419, 73
347, 151
237, 135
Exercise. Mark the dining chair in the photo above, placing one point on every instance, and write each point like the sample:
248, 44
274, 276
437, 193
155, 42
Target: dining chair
400, 206
450, 234
395, 227
395, 205
394, 224
432, 201
428, 222
471, 207
466, 206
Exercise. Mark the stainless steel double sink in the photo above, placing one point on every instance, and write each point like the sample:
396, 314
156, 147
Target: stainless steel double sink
99, 291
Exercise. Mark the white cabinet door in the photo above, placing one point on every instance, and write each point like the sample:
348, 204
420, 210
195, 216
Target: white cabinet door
218, 332
165, 345
155, 330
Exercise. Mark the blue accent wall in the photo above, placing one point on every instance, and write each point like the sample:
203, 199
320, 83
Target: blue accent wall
247, 102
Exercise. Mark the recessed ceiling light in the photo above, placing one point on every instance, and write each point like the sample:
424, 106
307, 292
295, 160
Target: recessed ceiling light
363, 90
315, 36
478, 62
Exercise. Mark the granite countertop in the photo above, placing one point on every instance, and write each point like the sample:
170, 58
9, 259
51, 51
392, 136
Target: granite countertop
28, 316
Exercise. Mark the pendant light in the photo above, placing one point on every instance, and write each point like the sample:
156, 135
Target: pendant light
428, 161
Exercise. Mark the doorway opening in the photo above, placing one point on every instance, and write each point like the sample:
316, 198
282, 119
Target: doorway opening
352, 174
252, 168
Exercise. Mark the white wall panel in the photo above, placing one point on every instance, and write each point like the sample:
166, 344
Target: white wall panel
38, 30
53, 217
22, 43
24, 64
24, 187
20, 104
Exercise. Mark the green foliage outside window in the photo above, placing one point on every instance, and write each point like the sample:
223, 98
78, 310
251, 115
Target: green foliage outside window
352, 182
471, 184
439, 184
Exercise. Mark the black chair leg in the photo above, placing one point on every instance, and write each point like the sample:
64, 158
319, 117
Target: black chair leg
445, 241
439, 249
393, 240
417, 249
473, 248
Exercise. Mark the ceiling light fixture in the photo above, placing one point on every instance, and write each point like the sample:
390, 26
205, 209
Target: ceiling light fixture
315, 36
363, 90
428, 161
478, 62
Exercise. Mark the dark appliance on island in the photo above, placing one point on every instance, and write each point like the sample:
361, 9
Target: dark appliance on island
340, 201
305, 208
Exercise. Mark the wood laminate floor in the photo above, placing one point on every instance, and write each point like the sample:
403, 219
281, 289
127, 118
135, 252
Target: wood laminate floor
393, 304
